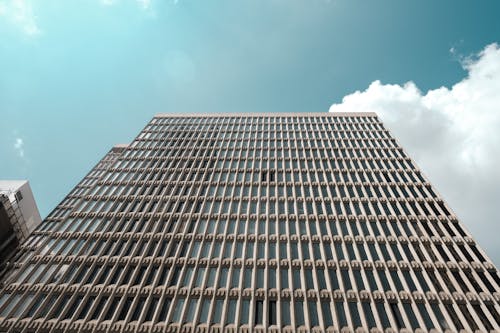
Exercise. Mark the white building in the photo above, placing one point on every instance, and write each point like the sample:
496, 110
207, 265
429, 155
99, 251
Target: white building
19, 216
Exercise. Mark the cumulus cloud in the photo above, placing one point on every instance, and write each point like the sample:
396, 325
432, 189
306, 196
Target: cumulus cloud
20, 14
19, 147
453, 134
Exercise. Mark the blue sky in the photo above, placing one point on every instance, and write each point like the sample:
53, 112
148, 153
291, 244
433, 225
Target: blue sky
77, 77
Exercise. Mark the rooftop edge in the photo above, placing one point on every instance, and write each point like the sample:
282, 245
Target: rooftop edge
271, 114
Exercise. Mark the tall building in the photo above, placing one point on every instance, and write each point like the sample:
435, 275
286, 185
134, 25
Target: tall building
253, 223
19, 216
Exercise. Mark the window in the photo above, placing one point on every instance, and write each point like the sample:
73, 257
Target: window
367, 309
112, 308
151, 309
272, 312
339, 308
259, 309
125, 308
164, 309
299, 313
98, 309
231, 311
177, 310
313, 313
138, 308
245, 310
397, 315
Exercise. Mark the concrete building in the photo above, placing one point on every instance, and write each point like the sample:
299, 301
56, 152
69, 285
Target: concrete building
19, 216
253, 223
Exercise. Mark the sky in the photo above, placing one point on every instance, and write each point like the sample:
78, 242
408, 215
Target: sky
77, 77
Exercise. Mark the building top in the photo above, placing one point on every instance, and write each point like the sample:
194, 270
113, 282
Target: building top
269, 114
11, 187
21, 199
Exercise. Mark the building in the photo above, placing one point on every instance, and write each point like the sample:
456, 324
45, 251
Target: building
253, 223
19, 216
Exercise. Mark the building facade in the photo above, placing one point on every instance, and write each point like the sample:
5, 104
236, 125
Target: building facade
253, 223
19, 216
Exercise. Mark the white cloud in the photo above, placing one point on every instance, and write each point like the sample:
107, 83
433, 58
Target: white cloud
108, 2
143, 4
453, 134
19, 147
20, 14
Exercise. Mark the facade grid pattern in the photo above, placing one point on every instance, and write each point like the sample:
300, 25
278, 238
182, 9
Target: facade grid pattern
253, 223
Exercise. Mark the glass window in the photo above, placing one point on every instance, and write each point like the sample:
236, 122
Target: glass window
397, 315
309, 279
164, 309
138, 308
272, 313
235, 278
231, 311
271, 278
99, 308
125, 308
191, 310
353, 309
369, 314
299, 313
177, 311
151, 309
245, 310
112, 308
259, 309
313, 313
217, 311
71, 311
223, 277
339, 309
296, 279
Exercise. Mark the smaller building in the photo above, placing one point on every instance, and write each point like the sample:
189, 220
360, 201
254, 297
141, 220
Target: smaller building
19, 216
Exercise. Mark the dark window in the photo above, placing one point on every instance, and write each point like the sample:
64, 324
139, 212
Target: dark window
411, 315
272, 313
353, 309
440, 317
164, 309
60, 306
138, 309
299, 313
98, 309
339, 308
327, 314
36, 305
397, 315
368, 314
285, 312
151, 309
383, 315
425, 315
71, 311
259, 310
112, 308
313, 313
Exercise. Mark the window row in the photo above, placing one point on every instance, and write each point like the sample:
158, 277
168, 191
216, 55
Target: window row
327, 165
264, 177
327, 227
212, 206
302, 121
251, 312
450, 281
344, 153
